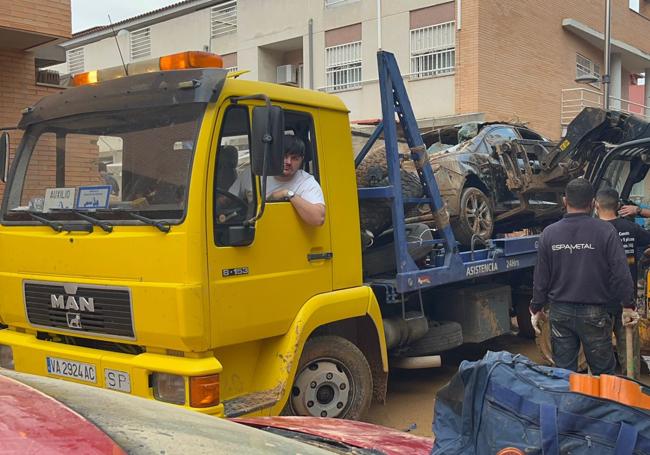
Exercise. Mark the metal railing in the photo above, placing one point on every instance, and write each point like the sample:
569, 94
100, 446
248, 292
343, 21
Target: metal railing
575, 100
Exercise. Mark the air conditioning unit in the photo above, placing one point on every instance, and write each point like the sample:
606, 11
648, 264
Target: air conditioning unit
286, 74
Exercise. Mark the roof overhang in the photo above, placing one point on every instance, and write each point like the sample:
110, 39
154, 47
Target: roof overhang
11, 38
633, 59
138, 22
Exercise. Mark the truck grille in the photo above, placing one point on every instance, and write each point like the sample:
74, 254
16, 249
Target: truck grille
83, 309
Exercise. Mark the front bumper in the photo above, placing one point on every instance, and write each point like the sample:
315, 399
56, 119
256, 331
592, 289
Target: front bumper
30, 356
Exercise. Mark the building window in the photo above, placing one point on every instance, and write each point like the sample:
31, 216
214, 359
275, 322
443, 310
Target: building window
433, 50
585, 67
223, 19
76, 60
343, 69
140, 43
337, 2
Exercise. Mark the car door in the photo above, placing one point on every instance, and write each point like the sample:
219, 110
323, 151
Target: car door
503, 197
258, 286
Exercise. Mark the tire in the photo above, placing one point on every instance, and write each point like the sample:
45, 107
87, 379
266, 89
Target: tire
376, 215
333, 380
442, 336
543, 342
475, 216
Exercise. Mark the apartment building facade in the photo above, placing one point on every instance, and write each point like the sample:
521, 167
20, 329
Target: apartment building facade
26, 29
464, 59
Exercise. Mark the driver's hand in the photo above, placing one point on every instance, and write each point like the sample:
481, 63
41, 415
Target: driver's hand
628, 210
279, 195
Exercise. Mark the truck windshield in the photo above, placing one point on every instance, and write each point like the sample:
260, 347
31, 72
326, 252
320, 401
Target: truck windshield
112, 163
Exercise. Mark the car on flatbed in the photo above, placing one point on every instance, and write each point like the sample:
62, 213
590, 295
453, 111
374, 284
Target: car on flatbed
473, 180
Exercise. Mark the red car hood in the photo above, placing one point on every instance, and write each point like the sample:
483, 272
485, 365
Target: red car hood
357, 434
33, 423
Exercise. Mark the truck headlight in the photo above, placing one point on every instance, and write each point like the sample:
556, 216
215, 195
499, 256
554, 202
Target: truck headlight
169, 388
6, 357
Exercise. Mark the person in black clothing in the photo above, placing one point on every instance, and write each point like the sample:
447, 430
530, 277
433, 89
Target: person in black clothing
632, 236
581, 267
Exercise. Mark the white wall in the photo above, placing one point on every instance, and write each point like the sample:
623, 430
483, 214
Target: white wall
263, 23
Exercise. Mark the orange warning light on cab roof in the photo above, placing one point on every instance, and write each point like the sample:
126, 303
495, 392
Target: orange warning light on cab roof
180, 61
89, 77
190, 59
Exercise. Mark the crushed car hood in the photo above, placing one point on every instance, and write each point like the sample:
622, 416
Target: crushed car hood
357, 434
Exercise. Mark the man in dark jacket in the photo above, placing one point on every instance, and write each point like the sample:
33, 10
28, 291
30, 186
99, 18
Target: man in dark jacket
632, 236
581, 267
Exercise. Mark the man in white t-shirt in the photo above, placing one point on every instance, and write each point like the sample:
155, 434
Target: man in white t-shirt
295, 185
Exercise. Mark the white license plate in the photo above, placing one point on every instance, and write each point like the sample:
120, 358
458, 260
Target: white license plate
117, 380
72, 369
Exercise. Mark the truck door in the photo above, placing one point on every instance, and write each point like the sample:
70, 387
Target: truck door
258, 283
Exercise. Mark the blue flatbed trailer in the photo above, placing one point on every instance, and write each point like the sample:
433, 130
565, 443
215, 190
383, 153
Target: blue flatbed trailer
446, 264
450, 265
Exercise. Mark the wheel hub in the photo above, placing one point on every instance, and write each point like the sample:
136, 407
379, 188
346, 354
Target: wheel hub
478, 215
322, 389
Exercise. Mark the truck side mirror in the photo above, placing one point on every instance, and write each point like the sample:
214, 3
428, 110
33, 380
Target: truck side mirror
4, 156
267, 140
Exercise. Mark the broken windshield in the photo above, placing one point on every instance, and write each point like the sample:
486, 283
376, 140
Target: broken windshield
111, 163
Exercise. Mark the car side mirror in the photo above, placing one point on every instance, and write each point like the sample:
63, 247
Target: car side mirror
4, 156
267, 141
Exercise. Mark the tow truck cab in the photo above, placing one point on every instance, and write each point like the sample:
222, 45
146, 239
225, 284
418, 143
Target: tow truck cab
130, 262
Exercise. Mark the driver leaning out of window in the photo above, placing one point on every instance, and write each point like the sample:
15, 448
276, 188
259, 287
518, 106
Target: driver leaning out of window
294, 185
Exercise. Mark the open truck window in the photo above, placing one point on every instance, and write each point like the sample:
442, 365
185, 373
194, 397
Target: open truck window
143, 157
235, 196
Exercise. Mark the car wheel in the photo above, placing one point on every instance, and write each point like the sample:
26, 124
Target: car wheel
475, 216
543, 342
333, 380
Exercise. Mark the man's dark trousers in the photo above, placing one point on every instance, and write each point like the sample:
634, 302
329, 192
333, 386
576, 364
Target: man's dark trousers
591, 325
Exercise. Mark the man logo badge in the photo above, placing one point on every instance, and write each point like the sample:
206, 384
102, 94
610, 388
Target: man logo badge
70, 302
74, 320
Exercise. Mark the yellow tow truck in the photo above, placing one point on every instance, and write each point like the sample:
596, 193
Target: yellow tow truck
128, 262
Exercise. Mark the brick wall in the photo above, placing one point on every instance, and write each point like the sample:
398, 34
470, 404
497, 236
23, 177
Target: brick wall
51, 17
18, 87
514, 57
467, 59
18, 90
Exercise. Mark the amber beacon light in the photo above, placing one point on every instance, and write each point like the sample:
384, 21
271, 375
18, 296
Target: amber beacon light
179, 61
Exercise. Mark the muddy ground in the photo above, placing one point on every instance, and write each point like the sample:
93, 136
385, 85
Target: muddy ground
411, 393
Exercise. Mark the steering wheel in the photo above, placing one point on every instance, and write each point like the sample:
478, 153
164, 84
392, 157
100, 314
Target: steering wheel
225, 213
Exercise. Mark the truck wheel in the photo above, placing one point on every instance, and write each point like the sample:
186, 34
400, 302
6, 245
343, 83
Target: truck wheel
474, 217
333, 380
442, 336
543, 342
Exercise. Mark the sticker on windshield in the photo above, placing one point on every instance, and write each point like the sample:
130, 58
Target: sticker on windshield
59, 198
93, 197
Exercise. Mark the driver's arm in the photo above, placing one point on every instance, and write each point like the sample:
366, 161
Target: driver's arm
311, 213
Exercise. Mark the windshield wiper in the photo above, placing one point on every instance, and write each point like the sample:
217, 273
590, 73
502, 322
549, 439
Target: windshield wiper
106, 227
164, 227
56, 226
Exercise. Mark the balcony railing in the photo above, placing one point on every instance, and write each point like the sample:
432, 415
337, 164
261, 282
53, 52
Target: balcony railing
575, 100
